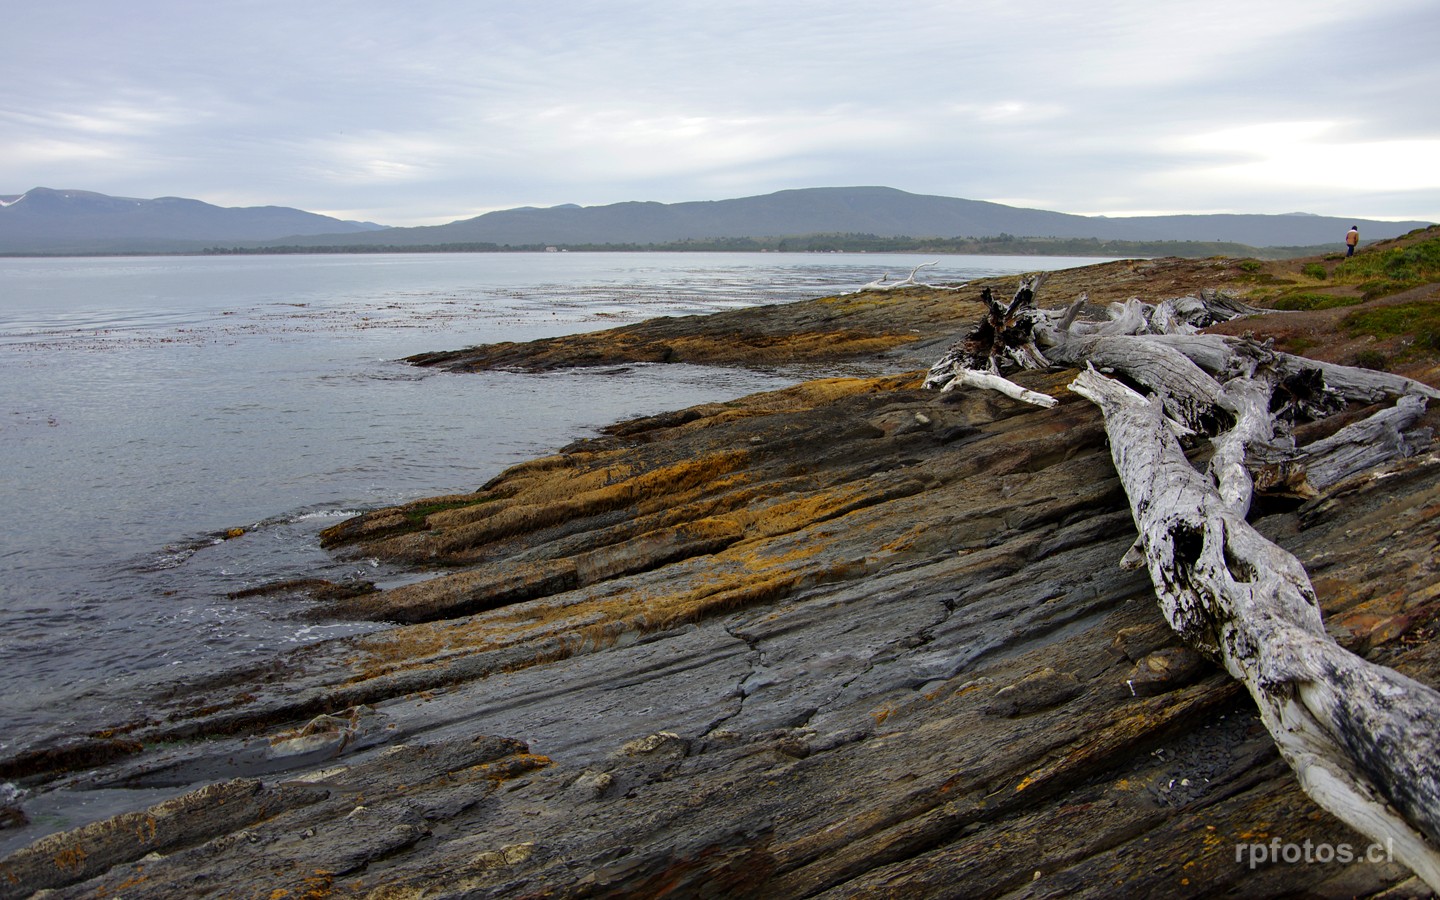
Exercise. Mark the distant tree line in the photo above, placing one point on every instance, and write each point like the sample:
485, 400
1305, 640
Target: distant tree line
478, 247
997, 245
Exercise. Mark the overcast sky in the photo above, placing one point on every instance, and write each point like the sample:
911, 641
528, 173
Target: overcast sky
428, 111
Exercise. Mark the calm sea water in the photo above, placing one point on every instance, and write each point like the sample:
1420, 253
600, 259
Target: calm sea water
148, 405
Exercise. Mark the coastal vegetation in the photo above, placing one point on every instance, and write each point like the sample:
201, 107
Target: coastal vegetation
1417, 323
1398, 261
1392, 280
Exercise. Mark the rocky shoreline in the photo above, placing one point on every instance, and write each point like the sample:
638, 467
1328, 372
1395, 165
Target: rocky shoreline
844, 639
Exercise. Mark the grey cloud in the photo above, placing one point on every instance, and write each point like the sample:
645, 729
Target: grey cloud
440, 109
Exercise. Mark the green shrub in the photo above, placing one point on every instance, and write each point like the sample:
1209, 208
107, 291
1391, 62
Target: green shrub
1305, 300
1313, 270
1418, 262
1371, 359
1418, 321
1393, 321
1372, 290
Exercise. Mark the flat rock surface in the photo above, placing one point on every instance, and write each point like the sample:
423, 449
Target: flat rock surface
851, 638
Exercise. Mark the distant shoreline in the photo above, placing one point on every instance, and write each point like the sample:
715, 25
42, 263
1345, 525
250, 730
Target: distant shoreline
1003, 246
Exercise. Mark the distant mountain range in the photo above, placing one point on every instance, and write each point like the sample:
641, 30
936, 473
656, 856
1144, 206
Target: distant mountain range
42, 220
881, 211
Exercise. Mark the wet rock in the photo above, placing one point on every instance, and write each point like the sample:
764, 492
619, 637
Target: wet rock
1037, 691
1164, 670
1138, 641
318, 589
662, 745
11, 813
510, 855
325, 736
592, 785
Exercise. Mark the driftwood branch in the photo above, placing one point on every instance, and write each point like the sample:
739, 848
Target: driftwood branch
989, 381
883, 283
1363, 740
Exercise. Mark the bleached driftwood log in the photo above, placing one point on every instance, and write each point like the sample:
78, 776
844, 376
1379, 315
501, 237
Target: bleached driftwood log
883, 283
989, 381
1366, 444
1363, 740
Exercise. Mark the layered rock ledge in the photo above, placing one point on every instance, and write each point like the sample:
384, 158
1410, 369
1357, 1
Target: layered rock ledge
851, 638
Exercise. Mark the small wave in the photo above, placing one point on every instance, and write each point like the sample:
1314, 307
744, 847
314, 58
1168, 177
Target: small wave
173, 556
326, 514
310, 634
406, 374
168, 561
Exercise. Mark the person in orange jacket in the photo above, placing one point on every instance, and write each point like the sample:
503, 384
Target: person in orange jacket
1352, 237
